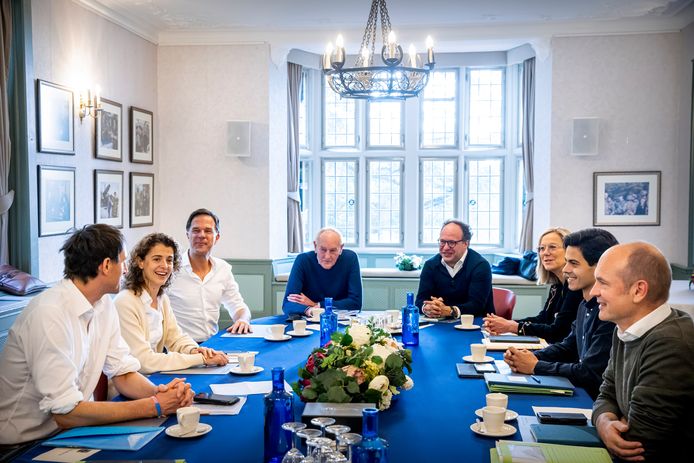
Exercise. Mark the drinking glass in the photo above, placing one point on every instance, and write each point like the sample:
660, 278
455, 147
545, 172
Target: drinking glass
310, 446
349, 439
323, 446
307, 434
337, 430
322, 421
294, 455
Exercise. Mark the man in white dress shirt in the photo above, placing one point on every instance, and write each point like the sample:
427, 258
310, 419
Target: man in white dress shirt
62, 342
205, 283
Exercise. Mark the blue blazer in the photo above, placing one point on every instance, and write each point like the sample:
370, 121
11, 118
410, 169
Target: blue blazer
470, 289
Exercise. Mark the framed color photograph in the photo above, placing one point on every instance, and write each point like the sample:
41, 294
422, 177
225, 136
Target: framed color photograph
626, 198
141, 136
56, 200
141, 199
109, 130
56, 123
108, 197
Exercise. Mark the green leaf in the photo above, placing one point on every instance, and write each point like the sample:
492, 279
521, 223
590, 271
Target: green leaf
346, 340
337, 394
377, 360
330, 377
352, 386
394, 361
372, 395
309, 393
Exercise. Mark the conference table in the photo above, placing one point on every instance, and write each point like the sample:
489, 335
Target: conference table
430, 422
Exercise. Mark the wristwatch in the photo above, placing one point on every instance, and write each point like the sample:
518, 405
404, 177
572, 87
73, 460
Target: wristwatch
455, 311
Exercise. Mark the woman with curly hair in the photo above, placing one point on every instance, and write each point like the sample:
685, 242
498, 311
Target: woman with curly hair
147, 322
553, 323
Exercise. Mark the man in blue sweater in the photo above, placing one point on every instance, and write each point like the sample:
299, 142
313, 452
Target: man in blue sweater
582, 356
456, 280
328, 271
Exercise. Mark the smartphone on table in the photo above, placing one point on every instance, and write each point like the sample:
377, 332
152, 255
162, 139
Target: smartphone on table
214, 399
578, 419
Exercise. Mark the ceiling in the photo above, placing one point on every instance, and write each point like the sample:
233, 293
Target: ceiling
456, 25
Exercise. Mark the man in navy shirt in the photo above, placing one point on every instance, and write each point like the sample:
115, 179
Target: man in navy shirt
328, 271
583, 355
456, 280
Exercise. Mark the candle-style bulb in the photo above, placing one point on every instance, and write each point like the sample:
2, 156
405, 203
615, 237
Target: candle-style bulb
391, 38
340, 41
429, 42
413, 56
365, 56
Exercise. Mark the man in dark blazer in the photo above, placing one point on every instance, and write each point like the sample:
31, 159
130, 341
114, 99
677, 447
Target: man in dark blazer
458, 280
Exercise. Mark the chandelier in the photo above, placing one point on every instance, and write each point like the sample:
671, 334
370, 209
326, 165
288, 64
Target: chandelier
392, 80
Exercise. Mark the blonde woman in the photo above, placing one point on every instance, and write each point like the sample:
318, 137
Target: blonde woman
147, 322
553, 322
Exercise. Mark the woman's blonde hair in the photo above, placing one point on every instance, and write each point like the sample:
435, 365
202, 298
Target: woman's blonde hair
543, 276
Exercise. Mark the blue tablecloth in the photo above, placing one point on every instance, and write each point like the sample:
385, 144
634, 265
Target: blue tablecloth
430, 423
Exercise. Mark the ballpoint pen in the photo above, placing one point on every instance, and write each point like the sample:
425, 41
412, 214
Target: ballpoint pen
535, 379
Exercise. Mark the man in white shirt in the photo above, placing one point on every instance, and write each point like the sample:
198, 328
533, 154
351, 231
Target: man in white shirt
205, 283
646, 401
62, 342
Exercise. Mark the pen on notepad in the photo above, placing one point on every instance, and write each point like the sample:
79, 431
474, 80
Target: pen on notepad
535, 379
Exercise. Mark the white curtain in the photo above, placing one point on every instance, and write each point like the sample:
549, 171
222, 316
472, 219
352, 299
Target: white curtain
294, 227
6, 195
526, 236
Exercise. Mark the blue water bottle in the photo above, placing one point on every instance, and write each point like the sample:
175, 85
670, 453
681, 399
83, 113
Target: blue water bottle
372, 449
279, 409
410, 322
328, 322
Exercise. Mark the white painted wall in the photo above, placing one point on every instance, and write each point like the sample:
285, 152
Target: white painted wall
200, 88
633, 83
72, 45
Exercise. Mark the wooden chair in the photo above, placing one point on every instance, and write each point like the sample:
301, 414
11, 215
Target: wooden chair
504, 302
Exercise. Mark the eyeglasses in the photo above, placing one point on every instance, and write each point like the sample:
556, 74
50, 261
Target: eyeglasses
449, 243
552, 248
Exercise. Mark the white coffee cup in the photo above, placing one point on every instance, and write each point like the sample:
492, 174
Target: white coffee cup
493, 418
188, 419
466, 320
246, 361
299, 326
497, 399
393, 316
277, 331
315, 313
478, 352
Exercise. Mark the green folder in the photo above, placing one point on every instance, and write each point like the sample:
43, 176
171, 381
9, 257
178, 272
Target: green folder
514, 451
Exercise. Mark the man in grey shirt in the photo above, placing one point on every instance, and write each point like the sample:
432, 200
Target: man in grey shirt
646, 400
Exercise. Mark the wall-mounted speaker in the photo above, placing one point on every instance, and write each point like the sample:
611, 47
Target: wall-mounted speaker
585, 136
239, 138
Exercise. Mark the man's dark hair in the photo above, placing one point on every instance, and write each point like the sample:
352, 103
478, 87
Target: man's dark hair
87, 248
592, 242
135, 278
467, 233
202, 211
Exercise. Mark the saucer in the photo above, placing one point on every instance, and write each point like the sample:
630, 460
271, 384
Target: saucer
467, 328
305, 333
506, 430
313, 320
175, 431
285, 337
510, 414
237, 370
487, 359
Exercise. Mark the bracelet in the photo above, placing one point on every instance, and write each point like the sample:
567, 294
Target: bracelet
157, 405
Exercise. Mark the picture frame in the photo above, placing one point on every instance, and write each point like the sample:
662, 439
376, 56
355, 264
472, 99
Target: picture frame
626, 198
141, 199
55, 118
108, 133
108, 197
141, 136
56, 190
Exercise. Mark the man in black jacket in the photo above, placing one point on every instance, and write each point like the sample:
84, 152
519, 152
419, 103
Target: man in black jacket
458, 279
582, 356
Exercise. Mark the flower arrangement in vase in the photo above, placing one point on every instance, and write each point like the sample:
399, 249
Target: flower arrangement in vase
405, 262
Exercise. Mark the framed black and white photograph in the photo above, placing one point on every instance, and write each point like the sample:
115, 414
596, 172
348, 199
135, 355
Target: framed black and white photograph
56, 200
108, 197
626, 198
141, 199
141, 136
56, 123
109, 130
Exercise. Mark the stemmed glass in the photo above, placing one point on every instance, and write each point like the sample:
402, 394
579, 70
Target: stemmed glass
322, 421
308, 434
349, 439
294, 455
337, 430
323, 448
310, 444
